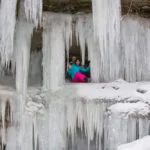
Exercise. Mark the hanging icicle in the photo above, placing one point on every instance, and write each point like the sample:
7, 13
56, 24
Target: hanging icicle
135, 33
33, 11
7, 27
106, 19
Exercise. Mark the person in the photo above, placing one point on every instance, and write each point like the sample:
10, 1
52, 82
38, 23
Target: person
73, 60
75, 71
87, 74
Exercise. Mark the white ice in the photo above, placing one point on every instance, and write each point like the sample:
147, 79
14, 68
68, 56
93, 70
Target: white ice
57, 33
7, 27
33, 11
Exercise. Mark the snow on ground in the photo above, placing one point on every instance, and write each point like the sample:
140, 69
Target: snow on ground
118, 90
127, 109
141, 144
132, 97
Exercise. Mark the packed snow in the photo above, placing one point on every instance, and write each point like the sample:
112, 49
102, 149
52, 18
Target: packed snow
141, 144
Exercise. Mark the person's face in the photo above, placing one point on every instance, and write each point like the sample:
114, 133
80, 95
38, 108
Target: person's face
78, 62
74, 58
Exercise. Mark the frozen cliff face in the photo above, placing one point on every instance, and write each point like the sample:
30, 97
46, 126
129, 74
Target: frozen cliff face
78, 116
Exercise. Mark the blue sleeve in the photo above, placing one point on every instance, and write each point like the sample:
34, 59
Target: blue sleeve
84, 70
69, 71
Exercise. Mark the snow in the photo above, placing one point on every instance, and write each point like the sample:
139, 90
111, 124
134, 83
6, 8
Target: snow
135, 109
141, 144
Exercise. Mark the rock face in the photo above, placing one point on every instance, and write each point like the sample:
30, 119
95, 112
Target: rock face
133, 6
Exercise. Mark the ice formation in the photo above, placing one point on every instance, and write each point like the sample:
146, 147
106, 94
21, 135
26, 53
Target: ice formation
7, 27
22, 50
57, 35
107, 32
33, 11
135, 33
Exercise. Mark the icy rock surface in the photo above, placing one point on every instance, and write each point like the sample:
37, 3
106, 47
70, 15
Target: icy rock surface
141, 144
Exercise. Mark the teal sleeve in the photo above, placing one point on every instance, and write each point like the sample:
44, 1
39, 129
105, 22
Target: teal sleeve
69, 71
84, 70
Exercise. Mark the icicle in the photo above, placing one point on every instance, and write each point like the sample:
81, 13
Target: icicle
53, 53
7, 27
80, 35
3, 130
135, 48
33, 11
106, 18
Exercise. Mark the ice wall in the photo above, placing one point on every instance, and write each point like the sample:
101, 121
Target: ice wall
135, 32
57, 35
7, 27
130, 60
106, 20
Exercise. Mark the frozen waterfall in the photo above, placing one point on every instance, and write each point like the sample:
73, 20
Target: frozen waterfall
42, 112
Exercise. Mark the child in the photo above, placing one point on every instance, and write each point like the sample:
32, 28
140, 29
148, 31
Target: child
75, 70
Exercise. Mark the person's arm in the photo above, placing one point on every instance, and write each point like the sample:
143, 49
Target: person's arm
84, 70
69, 71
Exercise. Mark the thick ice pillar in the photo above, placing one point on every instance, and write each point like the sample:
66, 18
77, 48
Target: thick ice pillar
57, 32
106, 19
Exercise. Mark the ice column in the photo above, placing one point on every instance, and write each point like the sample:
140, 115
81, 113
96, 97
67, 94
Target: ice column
33, 11
135, 33
56, 34
106, 19
23, 43
7, 27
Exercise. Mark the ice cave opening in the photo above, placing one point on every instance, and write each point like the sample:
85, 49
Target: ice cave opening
40, 110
